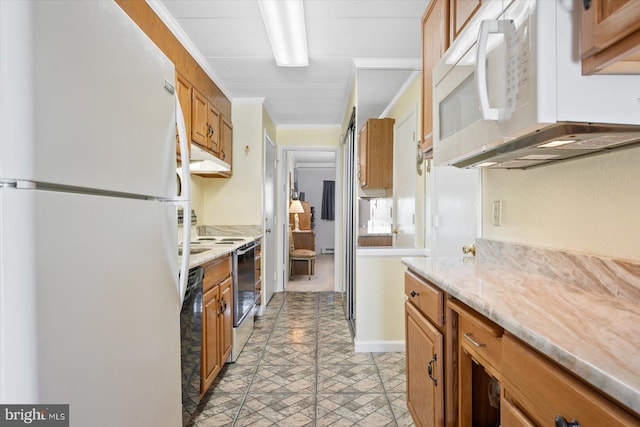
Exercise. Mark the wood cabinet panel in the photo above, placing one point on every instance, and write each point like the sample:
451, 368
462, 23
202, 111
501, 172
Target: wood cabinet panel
375, 154
428, 299
211, 363
226, 140
461, 13
183, 91
213, 129
511, 416
199, 130
542, 390
375, 241
226, 319
610, 37
425, 385
435, 41
479, 337
216, 271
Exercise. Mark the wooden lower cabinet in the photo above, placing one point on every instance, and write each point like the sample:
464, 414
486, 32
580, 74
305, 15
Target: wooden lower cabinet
541, 391
217, 319
455, 356
211, 363
226, 319
425, 385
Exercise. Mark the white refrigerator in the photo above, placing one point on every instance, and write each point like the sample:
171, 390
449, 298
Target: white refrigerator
89, 290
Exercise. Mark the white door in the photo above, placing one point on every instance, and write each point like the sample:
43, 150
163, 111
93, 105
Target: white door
455, 209
269, 249
404, 182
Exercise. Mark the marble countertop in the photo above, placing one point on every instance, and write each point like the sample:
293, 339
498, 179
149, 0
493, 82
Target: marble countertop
215, 251
594, 336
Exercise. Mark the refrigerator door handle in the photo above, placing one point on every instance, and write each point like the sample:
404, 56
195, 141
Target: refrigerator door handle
184, 201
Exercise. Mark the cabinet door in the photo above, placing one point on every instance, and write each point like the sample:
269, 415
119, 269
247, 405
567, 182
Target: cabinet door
211, 363
425, 385
461, 13
226, 140
199, 129
183, 90
226, 321
213, 125
362, 156
435, 41
611, 37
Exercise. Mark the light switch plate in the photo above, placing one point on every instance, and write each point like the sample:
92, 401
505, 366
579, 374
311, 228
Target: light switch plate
497, 213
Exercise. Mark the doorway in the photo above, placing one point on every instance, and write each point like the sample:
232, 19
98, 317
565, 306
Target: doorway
306, 172
269, 228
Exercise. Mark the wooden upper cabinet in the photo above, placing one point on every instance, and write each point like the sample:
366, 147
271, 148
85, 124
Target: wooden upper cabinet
183, 92
461, 13
213, 129
362, 156
199, 128
435, 41
375, 154
610, 37
226, 140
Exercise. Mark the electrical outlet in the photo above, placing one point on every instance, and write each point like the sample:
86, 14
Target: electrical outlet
497, 213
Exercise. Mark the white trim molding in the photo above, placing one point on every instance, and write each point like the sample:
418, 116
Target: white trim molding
378, 346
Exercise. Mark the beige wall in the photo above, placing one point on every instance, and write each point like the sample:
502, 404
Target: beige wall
588, 205
379, 302
238, 200
197, 197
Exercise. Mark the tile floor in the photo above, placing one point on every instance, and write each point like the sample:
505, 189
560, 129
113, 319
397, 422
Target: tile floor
299, 368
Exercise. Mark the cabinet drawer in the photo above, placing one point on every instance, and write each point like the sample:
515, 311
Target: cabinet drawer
215, 272
479, 337
544, 390
427, 298
512, 416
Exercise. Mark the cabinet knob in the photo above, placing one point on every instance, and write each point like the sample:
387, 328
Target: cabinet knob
586, 4
562, 422
414, 294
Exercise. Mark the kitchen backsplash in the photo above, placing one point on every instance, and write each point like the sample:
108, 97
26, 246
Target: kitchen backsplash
609, 276
229, 230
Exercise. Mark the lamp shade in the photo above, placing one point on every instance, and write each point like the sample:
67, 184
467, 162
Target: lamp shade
296, 207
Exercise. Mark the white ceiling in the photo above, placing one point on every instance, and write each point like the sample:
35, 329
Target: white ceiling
377, 39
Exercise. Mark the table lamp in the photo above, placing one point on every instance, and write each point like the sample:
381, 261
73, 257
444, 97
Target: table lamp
296, 208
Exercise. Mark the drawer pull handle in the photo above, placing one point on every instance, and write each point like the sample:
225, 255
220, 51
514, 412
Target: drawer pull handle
430, 369
472, 341
562, 422
414, 293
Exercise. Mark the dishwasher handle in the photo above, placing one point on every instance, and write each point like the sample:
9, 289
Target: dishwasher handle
246, 248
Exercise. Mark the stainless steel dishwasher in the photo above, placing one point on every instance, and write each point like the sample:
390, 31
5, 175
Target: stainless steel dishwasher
191, 343
244, 295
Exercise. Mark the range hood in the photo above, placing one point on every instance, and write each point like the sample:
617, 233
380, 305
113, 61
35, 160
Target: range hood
204, 162
558, 142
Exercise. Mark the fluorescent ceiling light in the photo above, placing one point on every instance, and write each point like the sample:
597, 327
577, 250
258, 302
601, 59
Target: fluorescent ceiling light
556, 143
284, 21
486, 164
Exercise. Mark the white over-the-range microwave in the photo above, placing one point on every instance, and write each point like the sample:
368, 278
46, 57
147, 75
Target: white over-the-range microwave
509, 92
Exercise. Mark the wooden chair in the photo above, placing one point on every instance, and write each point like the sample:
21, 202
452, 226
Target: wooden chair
301, 255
